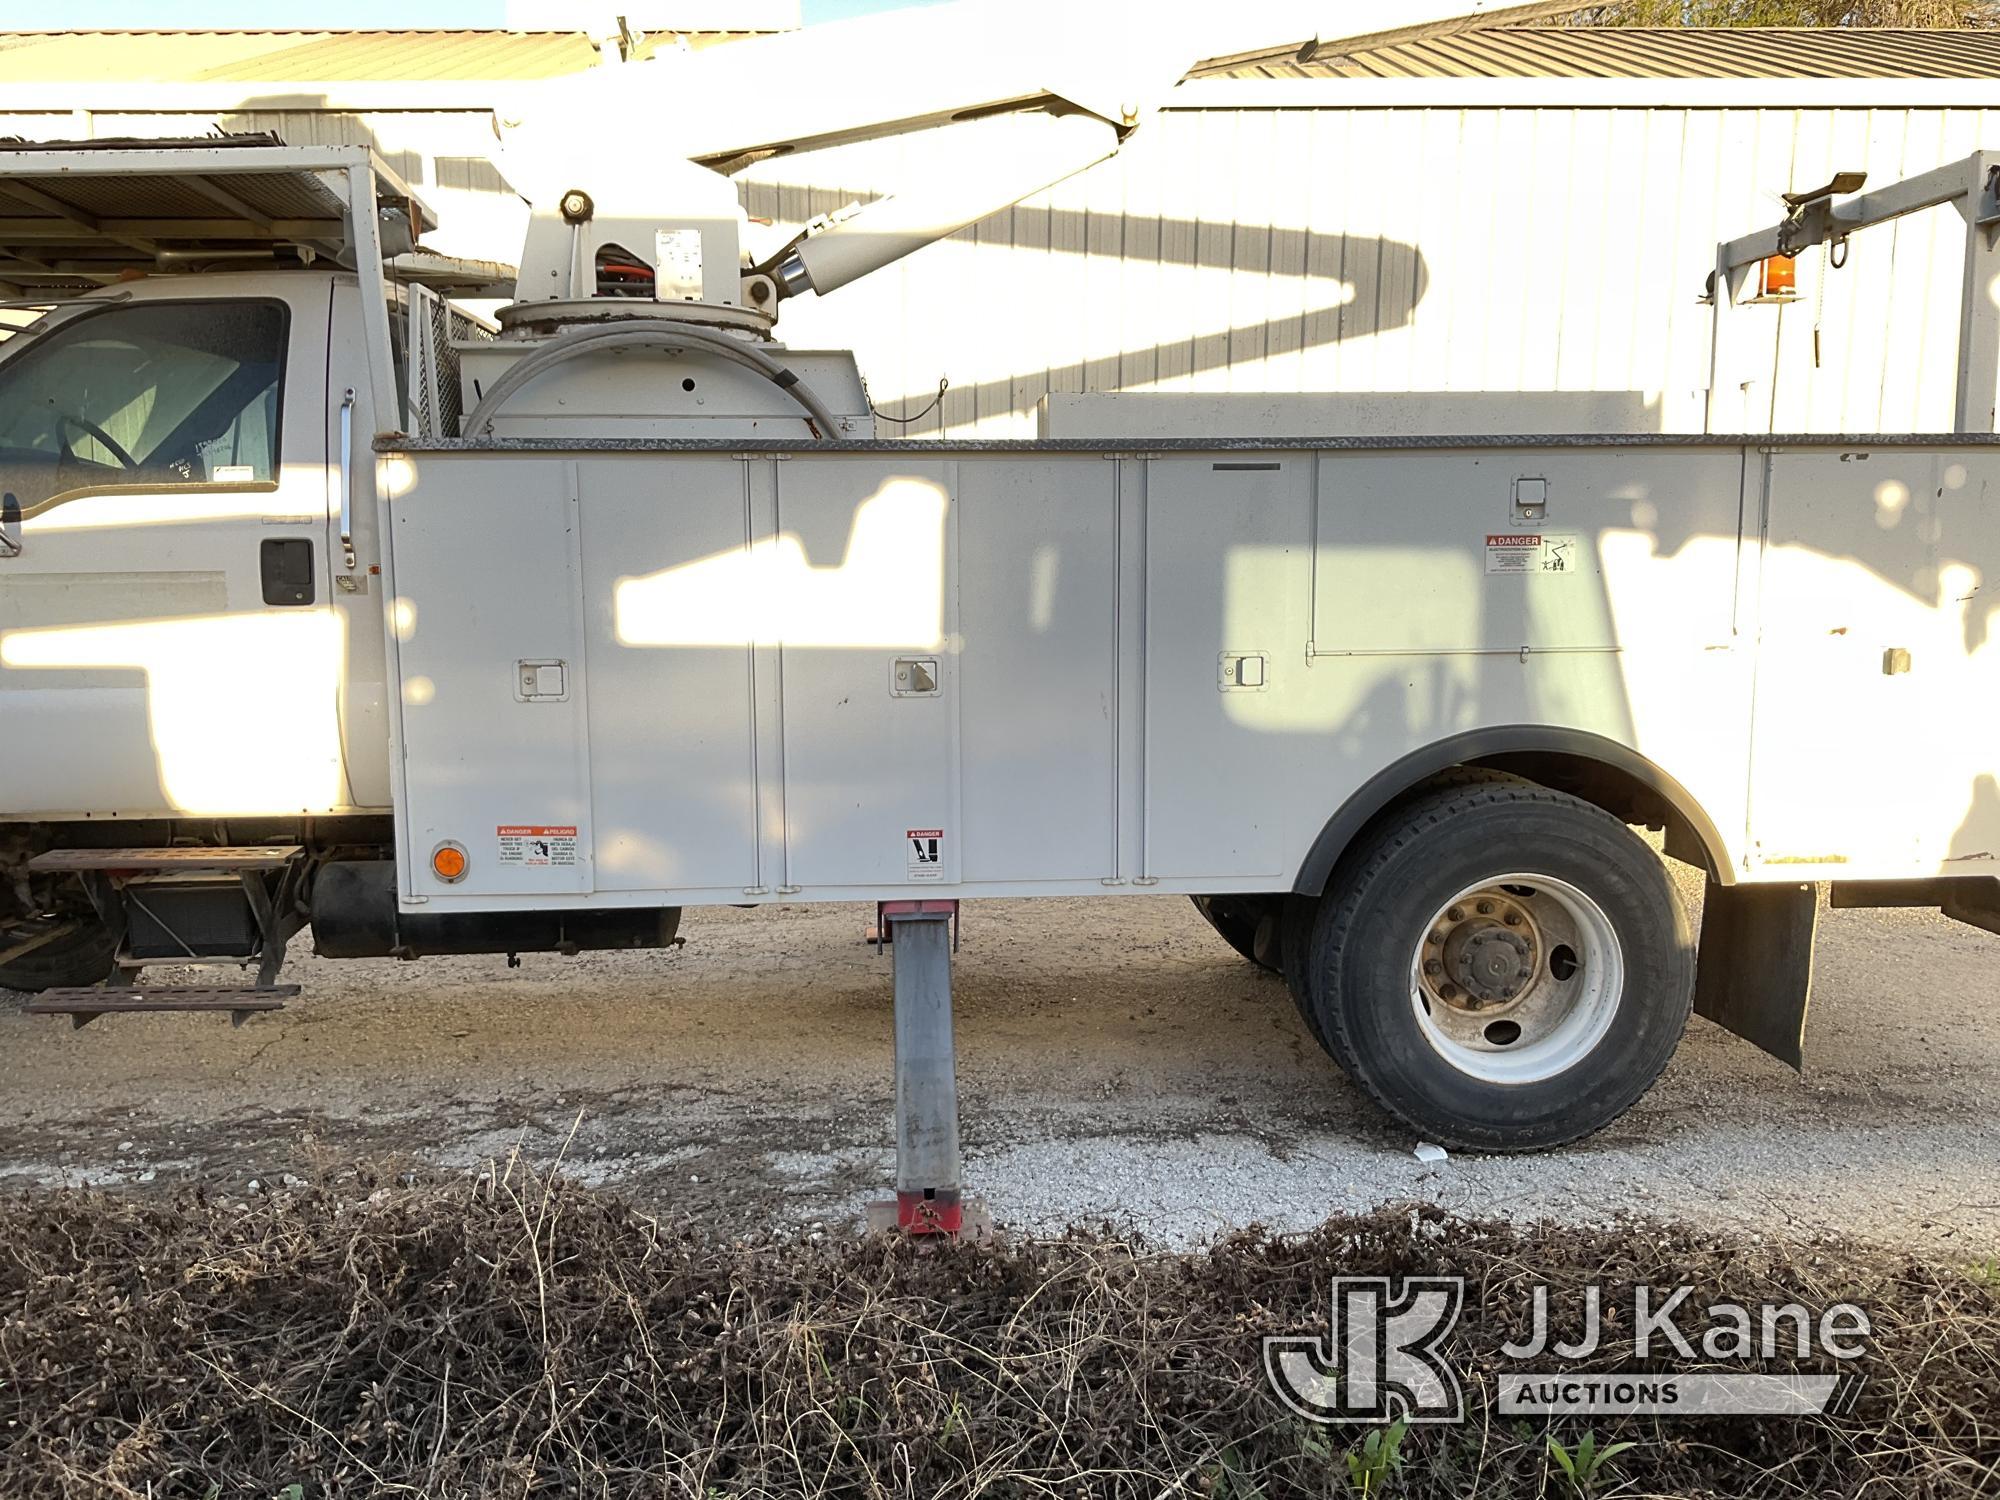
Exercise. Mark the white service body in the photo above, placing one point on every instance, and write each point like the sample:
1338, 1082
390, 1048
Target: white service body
1072, 672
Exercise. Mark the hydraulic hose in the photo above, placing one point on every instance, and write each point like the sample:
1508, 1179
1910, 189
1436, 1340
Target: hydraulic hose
656, 333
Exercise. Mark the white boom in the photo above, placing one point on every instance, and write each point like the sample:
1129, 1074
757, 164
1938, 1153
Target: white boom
1080, 77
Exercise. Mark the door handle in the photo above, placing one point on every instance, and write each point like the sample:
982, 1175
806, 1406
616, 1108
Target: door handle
10, 525
285, 564
347, 479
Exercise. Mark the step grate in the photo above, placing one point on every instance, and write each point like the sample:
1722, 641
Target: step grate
83, 1006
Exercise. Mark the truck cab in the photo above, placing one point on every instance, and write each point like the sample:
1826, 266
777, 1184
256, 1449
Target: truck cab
200, 339
183, 631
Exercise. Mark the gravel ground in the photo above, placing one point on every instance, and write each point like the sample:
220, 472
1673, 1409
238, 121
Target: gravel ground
1117, 1062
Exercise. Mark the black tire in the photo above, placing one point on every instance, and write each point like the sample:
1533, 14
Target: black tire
1380, 905
1249, 924
1296, 916
83, 957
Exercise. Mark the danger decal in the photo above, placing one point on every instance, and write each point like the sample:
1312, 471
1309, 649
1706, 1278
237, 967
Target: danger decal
923, 854
529, 845
1531, 552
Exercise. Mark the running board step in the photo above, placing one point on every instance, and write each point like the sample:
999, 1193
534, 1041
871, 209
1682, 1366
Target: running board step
83, 1006
180, 857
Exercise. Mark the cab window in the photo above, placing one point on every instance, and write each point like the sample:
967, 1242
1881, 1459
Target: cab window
143, 397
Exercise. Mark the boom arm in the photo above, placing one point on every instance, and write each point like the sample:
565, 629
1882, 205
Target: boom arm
1083, 74
909, 69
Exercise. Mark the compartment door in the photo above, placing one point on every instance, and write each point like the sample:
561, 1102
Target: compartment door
862, 602
1228, 560
1876, 730
671, 561
488, 615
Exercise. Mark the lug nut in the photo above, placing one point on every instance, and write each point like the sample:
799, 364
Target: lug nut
1454, 914
1432, 966
1436, 937
1512, 919
1485, 908
1448, 991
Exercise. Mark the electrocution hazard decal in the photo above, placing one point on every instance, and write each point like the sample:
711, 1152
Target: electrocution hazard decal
1530, 552
530, 845
923, 854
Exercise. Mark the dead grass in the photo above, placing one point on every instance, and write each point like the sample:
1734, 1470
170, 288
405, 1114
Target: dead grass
520, 1336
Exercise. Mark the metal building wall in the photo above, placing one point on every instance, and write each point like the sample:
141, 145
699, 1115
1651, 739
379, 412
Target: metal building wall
1370, 251
1411, 250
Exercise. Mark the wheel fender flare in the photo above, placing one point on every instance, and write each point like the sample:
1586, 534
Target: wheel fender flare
1398, 778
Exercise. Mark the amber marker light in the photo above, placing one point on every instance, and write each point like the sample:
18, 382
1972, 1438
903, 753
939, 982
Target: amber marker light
1777, 280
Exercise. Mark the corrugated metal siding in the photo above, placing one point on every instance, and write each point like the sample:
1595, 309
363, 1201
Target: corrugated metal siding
307, 56
411, 55
280, 56
1406, 250
1615, 52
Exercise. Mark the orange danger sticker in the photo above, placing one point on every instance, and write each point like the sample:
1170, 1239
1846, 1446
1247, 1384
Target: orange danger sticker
537, 844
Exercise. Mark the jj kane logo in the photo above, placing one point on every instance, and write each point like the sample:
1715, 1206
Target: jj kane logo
1382, 1362
1382, 1358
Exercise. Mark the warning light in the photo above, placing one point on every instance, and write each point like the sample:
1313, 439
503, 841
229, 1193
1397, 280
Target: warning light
1777, 279
448, 863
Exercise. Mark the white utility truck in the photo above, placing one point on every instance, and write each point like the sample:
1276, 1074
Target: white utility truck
322, 602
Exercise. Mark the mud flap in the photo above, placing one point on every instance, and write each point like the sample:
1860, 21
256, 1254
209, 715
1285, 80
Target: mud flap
1975, 903
1754, 971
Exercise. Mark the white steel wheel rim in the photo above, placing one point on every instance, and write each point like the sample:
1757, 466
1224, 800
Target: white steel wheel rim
1477, 946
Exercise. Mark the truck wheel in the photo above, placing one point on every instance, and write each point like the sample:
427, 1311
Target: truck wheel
1502, 967
78, 958
1249, 924
1297, 914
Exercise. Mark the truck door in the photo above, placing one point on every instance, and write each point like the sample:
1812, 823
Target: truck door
166, 645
